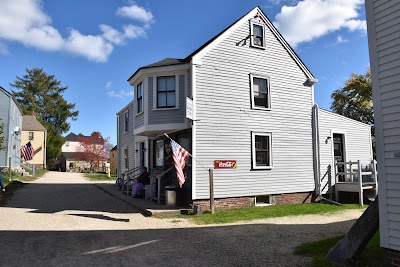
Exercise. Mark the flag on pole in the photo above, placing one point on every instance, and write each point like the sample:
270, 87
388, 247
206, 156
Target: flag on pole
27, 151
180, 156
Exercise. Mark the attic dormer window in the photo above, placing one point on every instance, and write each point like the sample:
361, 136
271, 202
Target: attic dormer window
257, 34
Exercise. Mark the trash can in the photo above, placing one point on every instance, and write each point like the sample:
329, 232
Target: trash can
170, 195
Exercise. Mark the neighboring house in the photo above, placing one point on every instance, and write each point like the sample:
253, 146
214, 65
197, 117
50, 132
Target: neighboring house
33, 131
253, 102
11, 118
384, 50
114, 160
71, 159
131, 149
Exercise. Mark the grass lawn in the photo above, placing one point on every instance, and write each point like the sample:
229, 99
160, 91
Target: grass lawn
98, 176
14, 177
371, 256
253, 213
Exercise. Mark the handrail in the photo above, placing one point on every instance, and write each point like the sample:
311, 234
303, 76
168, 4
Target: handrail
158, 177
27, 165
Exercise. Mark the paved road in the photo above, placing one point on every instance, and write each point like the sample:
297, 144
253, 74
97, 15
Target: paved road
64, 220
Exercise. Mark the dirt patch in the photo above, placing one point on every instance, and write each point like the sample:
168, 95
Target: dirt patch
10, 191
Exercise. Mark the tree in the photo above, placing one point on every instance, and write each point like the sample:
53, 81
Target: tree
354, 100
93, 149
43, 94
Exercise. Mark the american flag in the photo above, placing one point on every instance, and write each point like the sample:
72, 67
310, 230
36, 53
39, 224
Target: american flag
27, 151
180, 156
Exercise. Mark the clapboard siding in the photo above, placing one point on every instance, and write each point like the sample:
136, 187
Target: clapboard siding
166, 116
139, 120
126, 140
226, 120
357, 141
4, 115
383, 18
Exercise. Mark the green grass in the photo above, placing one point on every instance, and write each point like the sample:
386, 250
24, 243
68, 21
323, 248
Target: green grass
253, 213
100, 176
371, 256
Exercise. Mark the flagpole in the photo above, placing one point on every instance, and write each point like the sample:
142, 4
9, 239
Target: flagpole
211, 179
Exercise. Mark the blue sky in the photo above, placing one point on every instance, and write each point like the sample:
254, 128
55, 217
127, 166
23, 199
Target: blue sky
93, 46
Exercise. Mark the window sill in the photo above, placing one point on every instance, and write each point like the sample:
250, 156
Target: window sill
139, 113
163, 109
261, 168
258, 47
260, 108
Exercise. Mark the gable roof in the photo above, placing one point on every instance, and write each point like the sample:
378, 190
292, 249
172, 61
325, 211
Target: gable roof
13, 98
72, 137
219, 37
30, 123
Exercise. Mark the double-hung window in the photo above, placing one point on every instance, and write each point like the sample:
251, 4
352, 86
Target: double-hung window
30, 137
261, 150
126, 158
126, 121
139, 97
260, 92
166, 92
257, 35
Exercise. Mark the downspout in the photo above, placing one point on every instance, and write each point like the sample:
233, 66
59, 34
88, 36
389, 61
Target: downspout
317, 158
118, 149
316, 154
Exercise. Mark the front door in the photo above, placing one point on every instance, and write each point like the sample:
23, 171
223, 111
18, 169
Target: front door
338, 152
142, 156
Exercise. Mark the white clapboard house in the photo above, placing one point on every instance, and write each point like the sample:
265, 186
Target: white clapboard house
384, 49
253, 103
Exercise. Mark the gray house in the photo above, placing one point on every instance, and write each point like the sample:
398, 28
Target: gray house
11, 118
384, 49
253, 104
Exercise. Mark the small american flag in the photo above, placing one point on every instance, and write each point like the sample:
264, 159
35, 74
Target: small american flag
27, 151
180, 156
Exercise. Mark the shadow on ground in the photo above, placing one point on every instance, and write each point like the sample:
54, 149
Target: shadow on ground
239, 245
53, 198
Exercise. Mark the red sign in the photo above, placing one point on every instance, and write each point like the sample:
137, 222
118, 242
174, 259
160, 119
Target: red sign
224, 164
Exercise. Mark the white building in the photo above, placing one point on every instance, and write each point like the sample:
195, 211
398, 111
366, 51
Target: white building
253, 103
384, 49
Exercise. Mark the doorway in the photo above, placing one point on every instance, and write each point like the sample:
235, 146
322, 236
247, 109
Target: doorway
339, 153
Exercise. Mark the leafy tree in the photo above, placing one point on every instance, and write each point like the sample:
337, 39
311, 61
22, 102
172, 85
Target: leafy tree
93, 149
354, 100
43, 94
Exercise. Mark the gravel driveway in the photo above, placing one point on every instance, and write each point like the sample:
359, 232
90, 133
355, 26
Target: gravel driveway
64, 220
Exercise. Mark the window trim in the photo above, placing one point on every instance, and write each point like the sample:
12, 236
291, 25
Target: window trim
253, 150
265, 77
140, 108
126, 123
166, 92
155, 104
252, 23
31, 136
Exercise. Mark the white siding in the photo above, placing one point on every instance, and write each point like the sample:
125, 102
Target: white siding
357, 141
384, 39
226, 120
126, 140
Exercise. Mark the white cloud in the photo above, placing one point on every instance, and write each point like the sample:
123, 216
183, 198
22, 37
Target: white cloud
134, 32
109, 85
32, 27
137, 13
340, 40
94, 48
118, 94
311, 19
